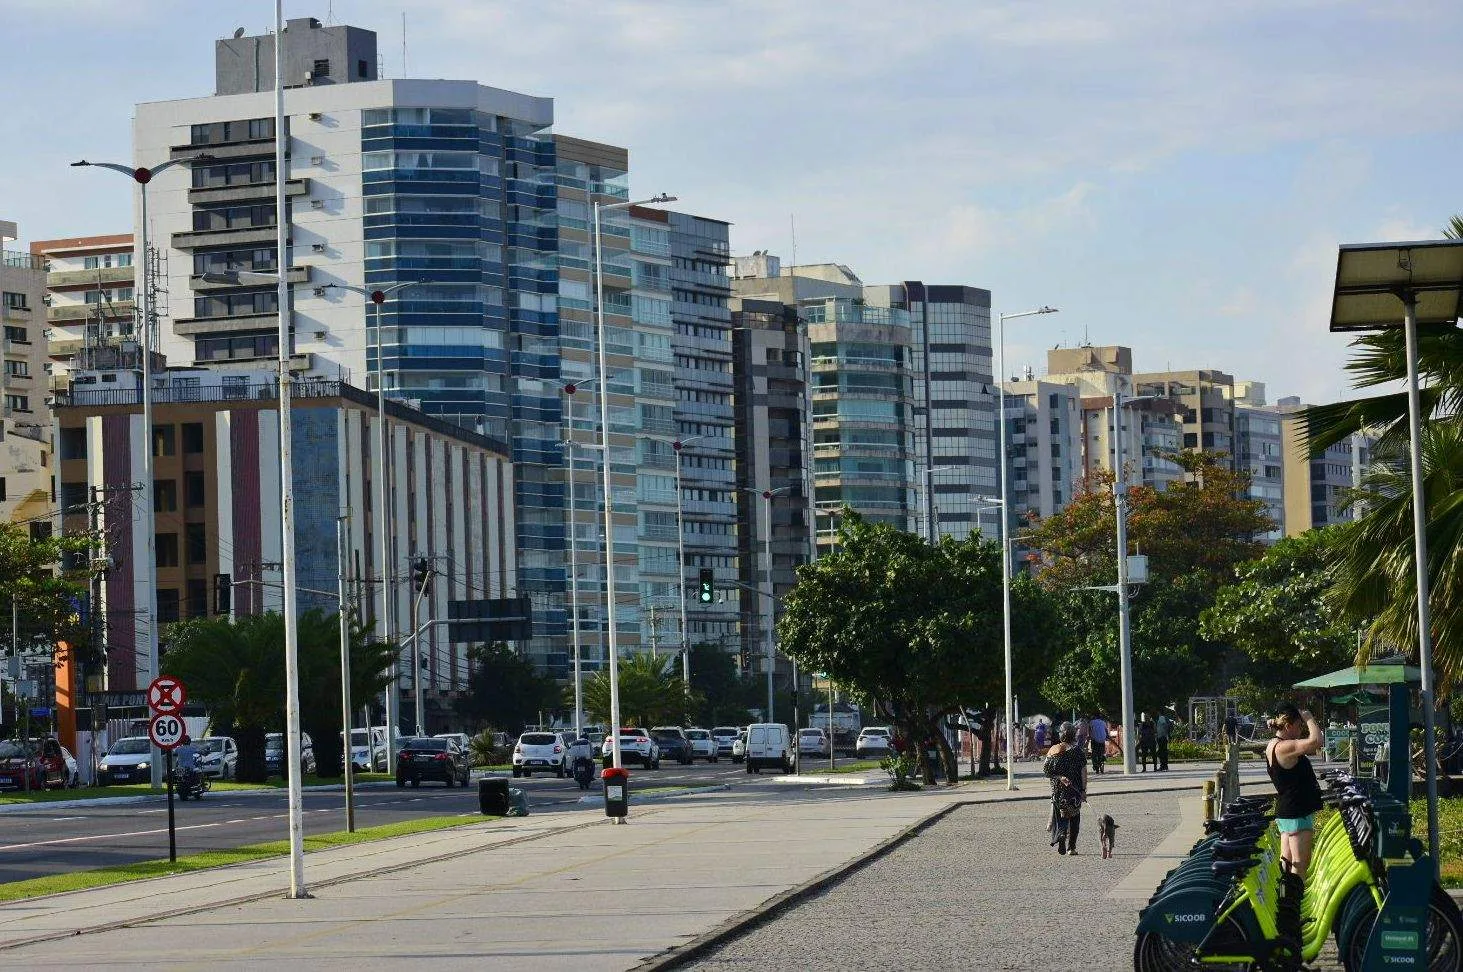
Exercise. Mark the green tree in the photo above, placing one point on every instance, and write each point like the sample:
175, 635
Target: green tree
1277, 610
505, 690
50, 604
725, 698
236, 669
1194, 533
915, 629
651, 693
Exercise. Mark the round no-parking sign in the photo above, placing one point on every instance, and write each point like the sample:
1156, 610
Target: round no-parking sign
166, 730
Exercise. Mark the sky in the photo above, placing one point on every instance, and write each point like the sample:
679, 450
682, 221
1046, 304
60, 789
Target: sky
1173, 175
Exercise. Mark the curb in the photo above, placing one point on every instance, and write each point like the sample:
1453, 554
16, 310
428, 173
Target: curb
591, 800
263, 895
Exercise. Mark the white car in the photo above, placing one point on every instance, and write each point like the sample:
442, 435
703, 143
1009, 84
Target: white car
127, 761
218, 757
874, 742
541, 751
703, 745
636, 746
368, 751
725, 736
769, 746
812, 742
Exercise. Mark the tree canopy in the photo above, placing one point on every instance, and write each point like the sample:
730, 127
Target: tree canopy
651, 693
505, 690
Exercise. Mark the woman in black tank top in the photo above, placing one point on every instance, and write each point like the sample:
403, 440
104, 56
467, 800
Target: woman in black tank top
1297, 794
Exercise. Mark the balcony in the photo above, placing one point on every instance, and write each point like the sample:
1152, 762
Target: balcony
223, 151
189, 326
250, 192
112, 310
19, 315
295, 275
231, 236
97, 276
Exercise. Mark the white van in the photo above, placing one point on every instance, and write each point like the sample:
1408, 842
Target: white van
769, 745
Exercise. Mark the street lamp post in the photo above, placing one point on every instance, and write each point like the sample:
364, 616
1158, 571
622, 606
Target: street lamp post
1427, 277
384, 494
143, 177
569, 447
771, 657
604, 441
1006, 538
1125, 631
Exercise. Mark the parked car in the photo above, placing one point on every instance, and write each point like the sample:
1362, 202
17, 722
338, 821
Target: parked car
429, 758
725, 736
703, 745
542, 751
636, 746
461, 738
218, 757
812, 742
769, 746
128, 760
35, 764
739, 747
874, 742
274, 752
673, 744
368, 751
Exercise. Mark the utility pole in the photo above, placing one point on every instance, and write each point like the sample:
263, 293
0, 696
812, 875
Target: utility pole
1125, 635
653, 645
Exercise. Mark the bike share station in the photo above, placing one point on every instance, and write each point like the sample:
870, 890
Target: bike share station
1228, 904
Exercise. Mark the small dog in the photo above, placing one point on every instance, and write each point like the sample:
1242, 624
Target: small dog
1107, 831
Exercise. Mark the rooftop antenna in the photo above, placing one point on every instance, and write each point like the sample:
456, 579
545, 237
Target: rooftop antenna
403, 44
792, 222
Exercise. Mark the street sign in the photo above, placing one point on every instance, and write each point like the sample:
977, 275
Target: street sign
166, 694
40, 712
166, 730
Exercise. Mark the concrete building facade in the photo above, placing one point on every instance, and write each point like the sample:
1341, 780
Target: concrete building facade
25, 416
1316, 486
91, 288
1259, 445
215, 443
1045, 425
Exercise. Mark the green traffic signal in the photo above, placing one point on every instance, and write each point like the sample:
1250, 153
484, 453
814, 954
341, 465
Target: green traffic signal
708, 593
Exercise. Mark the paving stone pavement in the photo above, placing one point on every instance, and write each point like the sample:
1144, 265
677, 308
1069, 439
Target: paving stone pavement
980, 889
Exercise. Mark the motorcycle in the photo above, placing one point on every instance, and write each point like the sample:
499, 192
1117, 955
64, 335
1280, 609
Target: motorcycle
190, 783
584, 772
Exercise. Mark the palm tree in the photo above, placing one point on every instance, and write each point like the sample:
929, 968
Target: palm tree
1374, 556
649, 693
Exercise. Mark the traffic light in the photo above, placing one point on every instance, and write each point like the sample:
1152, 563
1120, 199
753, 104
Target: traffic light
421, 574
223, 593
708, 590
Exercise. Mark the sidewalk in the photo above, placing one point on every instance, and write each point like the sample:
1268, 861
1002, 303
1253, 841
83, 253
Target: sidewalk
549, 891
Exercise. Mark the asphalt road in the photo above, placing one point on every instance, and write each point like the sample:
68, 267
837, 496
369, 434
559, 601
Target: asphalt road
47, 840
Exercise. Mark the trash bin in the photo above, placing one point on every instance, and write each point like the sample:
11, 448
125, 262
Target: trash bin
617, 792
493, 796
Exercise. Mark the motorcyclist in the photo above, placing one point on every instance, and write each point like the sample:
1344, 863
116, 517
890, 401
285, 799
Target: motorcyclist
580, 749
185, 762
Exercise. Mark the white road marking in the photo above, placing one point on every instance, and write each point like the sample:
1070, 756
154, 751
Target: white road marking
73, 840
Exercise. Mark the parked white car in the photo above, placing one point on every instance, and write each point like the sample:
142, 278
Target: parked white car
128, 760
636, 746
218, 757
874, 742
541, 751
703, 745
812, 742
769, 746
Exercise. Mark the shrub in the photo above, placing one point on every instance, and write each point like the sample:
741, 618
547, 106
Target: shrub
484, 752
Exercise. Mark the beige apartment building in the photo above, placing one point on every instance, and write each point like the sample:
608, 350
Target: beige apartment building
90, 295
25, 415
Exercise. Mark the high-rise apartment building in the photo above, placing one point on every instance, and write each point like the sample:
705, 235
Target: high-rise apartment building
1316, 486
462, 190
91, 295
1205, 399
1259, 450
954, 410
25, 416
1045, 425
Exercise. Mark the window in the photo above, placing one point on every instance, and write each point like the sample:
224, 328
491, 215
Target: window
3, 496
197, 598
16, 334
193, 490
17, 369
196, 535
17, 403
167, 605
165, 496
164, 441
167, 550
321, 69
73, 443
237, 347
363, 69
15, 301
192, 438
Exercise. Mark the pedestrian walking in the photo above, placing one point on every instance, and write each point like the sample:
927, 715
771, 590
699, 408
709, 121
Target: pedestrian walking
1066, 767
1147, 743
1097, 730
1162, 727
1041, 745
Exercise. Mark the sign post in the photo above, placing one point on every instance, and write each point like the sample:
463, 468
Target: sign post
165, 697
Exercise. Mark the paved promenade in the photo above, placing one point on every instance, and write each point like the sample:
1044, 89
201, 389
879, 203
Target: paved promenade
571, 891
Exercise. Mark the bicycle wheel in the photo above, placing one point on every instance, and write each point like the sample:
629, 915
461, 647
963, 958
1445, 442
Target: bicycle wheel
1156, 953
1444, 936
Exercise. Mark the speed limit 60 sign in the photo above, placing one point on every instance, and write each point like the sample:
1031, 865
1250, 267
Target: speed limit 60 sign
166, 730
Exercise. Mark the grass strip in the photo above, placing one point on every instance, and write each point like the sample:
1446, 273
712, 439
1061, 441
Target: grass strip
857, 766
102, 877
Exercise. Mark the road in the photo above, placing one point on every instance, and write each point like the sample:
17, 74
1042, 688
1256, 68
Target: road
46, 840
